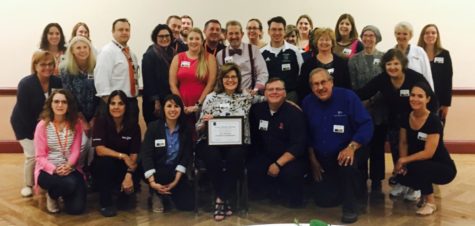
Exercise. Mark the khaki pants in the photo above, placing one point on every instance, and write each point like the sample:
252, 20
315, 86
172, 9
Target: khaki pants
29, 151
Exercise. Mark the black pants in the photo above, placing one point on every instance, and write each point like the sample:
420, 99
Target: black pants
182, 194
289, 181
422, 174
340, 184
376, 155
225, 165
71, 187
108, 174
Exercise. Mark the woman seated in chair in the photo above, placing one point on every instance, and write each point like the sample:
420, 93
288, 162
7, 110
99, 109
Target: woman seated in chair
57, 142
227, 100
165, 153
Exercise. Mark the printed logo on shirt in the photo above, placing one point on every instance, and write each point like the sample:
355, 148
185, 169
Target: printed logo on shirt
422, 136
438, 60
126, 138
267, 59
281, 125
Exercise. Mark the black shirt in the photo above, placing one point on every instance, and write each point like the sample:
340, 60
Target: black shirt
442, 74
126, 141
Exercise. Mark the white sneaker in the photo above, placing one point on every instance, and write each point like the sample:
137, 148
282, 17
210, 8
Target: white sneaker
26, 192
412, 195
398, 190
51, 204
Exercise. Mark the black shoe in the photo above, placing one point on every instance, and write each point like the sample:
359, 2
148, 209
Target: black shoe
108, 211
393, 180
349, 217
376, 186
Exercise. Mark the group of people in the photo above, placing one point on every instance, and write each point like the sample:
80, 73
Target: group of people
314, 101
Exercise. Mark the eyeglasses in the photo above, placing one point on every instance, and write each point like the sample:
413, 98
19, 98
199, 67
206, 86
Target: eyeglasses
278, 90
47, 64
163, 36
232, 78
64, 102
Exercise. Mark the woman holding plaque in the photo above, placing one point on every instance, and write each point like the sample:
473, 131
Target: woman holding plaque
228, 99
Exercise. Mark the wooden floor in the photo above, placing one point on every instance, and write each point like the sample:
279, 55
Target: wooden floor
456, 204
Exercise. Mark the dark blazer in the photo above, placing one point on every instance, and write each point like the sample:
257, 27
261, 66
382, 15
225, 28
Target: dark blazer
29, 104
153, 157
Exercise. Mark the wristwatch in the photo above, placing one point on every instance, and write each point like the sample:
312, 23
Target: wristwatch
352, 146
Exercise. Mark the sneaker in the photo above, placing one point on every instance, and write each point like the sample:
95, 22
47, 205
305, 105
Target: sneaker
412, 195
349, 217
427, 209
157, 205
393, 181
108, 211
26, 191
51, 204
398, 190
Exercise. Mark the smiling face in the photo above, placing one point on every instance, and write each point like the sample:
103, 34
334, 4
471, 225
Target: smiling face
44, 68
213, 32
186, 26
59, 105
230, 81
80, 51
253, 30
234, 35
194, 41
324, 43
304, 26
277, 33
403, 36
82, 31
430, 35
394, 68
275, 92
172, 110
344, 27
116, 107
163, 38
418, 99
121, 32
175, 25
322, 85
369, 39
54, 36
291, 38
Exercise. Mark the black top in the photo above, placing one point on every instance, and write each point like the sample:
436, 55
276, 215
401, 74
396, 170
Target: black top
338, 68
216, 50
155, 71
416, 139
179, 46
276, 66
30, 100
442, 74
127, 141
284, 131
154, 156
396, 99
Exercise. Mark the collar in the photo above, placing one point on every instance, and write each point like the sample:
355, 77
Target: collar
176, 128
121, 47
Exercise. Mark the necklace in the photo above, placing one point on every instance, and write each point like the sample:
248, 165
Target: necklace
62, 146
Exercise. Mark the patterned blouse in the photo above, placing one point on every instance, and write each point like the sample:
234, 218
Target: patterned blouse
59, 144
82, 87
237, 104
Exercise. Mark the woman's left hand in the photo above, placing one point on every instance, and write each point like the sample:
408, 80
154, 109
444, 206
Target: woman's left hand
400, 167
128, 184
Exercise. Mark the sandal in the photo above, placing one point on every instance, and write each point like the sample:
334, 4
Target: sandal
219, 214
229, 210
427, 209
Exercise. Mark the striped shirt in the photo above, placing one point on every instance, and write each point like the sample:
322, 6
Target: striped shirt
56, 155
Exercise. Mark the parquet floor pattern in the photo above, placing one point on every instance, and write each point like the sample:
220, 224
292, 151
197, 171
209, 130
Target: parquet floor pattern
456, 203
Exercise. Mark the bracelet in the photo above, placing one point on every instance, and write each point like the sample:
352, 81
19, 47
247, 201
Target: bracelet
278, 165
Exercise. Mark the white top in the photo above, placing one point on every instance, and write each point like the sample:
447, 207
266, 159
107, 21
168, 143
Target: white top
419, 61
112, 70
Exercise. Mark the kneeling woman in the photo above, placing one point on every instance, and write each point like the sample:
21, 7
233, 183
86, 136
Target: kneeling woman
116, 137
166, 152
57, 141
424, 159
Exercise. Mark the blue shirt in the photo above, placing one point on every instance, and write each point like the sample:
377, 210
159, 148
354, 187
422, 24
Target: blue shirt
173, 144
334, 123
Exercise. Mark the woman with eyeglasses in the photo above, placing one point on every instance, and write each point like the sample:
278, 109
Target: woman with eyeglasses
155, 66
254, 32
57, 143
32, 92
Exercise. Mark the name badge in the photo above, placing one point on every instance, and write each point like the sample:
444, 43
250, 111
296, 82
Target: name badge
331, 70
159, 143
338, 128
404, 93
438, 60
263, 125
126, 138
228, 59
376, 61
347, 51
224, 106
185, 64
285, 67
422, 136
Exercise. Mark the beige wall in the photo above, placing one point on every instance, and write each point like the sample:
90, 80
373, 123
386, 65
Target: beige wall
460, 122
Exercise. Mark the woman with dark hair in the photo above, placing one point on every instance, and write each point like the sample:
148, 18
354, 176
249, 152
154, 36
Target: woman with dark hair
305, 26
57, 142
228, 99
116, 137
324, 40
254, 32
291, 34
53, 41
347, 43
394, 84
440, 65
155, 66
32, 92
424, 160
165, 155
